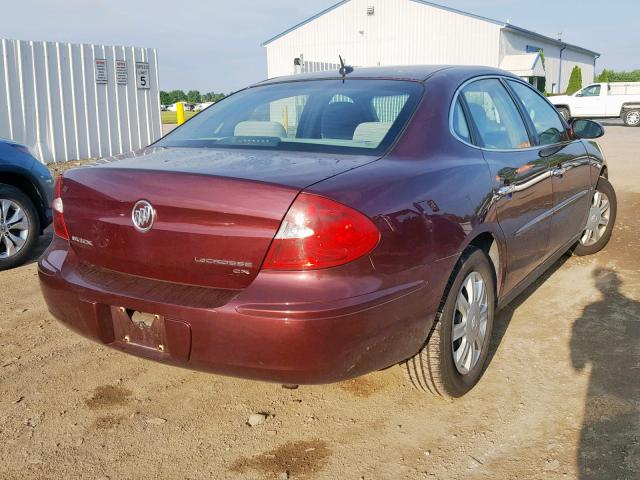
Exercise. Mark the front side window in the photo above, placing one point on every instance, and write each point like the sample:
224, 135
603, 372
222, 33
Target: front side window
355, 116
545, 118
496, 116
590, 91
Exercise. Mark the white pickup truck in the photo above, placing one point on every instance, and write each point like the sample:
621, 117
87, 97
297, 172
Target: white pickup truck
602, 100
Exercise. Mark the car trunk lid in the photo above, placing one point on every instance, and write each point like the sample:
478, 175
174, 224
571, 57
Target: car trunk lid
214, 220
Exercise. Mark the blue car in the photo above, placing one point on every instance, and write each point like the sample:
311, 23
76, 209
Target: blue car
26, 191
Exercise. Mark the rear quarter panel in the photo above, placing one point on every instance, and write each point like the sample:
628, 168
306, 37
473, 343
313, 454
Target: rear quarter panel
430, 196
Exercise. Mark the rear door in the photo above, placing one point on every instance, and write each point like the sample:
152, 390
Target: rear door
523, 192
569, 164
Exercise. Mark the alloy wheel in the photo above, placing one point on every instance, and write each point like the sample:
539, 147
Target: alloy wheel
469, 327
633, 118
14, 228
599, 215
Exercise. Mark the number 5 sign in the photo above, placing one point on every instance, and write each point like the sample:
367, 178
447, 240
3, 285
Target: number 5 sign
142, 75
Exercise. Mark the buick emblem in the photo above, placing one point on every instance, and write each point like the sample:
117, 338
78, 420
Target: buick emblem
143, 216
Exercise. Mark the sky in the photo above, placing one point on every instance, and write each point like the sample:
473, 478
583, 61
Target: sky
215, 45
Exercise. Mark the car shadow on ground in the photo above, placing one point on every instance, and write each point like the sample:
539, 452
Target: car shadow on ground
504, 316
610, 122
606, 337
42, 244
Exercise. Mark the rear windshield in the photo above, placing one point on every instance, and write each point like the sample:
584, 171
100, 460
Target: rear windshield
354, 116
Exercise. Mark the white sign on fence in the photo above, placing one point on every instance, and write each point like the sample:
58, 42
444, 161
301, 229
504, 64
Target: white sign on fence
142, 75
101, 70
73, 101
121, 72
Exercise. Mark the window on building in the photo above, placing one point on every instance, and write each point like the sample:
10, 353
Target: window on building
496, 116
545, 118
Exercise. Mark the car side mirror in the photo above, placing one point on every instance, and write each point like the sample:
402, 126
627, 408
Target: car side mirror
587, 129
579, 94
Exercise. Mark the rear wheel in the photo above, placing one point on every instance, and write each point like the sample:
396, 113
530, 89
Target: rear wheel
601, 220
19, 227
631, 118
564, 113
453, 359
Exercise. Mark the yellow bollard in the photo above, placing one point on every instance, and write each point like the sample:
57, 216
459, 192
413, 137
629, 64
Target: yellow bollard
180, 113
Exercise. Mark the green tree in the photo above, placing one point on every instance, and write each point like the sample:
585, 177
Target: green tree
575, 81
613, 76
193, 96
604, 76
165, 98
177, 96
213, 97
542, 82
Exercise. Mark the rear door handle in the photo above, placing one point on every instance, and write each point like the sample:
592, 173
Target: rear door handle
558, 172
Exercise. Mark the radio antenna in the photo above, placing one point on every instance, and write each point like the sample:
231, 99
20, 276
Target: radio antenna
344, 69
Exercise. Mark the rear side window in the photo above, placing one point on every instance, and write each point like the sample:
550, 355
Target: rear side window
496, 116
545, 118
459, 122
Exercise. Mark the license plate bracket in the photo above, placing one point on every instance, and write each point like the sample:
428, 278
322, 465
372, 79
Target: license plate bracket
139, 329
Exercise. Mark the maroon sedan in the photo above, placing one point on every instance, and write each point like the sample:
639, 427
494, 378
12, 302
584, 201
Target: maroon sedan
315, 228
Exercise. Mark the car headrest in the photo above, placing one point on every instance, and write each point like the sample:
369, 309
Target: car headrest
260, 129
340, 119
371, 132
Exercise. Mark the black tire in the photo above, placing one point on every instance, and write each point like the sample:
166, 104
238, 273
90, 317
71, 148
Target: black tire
564, 113
8, 192
603, 187
631, 118
433, 369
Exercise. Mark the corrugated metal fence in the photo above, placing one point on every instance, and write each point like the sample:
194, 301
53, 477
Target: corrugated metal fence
70, 101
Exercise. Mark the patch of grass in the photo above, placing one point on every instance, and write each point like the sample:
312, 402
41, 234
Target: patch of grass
170, 117
59, 168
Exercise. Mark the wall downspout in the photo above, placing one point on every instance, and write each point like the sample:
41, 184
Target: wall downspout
560, 69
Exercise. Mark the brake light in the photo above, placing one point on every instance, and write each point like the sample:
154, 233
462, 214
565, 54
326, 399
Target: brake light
59, 227
320, 233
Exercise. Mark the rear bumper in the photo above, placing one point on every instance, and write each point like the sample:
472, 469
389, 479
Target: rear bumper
258, 333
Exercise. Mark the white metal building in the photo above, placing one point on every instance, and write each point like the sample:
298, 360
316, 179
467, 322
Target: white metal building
69, 101
411, 32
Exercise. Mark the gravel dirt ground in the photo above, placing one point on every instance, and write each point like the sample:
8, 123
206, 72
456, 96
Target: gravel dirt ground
560, 397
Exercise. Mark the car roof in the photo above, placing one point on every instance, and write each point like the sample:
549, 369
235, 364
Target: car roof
416, 73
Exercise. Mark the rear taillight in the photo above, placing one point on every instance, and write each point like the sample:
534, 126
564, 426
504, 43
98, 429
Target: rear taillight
59, 227
320, 233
